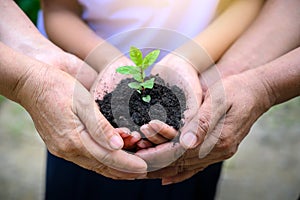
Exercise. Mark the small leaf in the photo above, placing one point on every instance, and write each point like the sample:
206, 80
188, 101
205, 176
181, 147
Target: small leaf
128, 70
148, 84
138, 77
150, 58
143, 75
136, 56
146, 98
134, 85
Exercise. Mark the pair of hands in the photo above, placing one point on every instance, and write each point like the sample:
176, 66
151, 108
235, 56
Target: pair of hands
212, 131
218, 125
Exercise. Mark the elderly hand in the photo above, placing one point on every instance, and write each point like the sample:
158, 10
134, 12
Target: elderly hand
68, 120
224, 120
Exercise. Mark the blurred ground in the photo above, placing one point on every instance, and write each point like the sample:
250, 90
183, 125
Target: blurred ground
266, 167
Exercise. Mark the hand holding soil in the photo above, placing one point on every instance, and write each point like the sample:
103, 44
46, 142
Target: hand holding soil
174, 99
174, 70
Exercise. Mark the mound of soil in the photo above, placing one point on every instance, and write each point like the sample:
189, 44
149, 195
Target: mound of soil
124, 106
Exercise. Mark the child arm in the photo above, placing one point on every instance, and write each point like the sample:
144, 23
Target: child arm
65, 27
221, 33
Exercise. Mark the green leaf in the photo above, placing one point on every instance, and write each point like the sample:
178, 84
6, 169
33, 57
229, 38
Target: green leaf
148, 84
138, 77
128, 70
136, 56
134, 85
146, 98
150, 58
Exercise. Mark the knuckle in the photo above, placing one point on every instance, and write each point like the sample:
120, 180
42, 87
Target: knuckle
203, 124
107, 160
102, 129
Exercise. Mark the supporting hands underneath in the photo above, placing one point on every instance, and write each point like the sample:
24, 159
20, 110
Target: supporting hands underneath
69, 122
175, 71
223, 121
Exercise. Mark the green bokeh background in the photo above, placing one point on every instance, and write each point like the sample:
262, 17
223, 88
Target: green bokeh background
30, 7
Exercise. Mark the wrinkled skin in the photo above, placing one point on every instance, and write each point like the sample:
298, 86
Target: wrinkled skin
218, 118
69, 122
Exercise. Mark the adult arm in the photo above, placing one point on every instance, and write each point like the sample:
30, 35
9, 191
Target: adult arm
275, 32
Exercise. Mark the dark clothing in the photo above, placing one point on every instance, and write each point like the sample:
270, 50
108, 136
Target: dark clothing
66, 180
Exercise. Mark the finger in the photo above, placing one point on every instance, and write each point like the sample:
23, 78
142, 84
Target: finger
161, 156
212, 109
131, 141
118, 160
124, 132
144, 144
97, 125
152, 135
87, 161
212, 139
165, 130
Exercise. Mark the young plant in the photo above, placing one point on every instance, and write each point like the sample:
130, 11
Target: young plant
138, 71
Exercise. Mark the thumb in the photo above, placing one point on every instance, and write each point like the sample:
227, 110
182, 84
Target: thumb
96, 124
208, 115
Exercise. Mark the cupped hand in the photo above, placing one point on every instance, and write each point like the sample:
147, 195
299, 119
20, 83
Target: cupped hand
68, 120
224, 120
175, 71
106, 82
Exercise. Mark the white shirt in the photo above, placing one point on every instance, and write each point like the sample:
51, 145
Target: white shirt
163, 24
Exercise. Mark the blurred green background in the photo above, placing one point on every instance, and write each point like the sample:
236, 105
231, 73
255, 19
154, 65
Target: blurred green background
30, 7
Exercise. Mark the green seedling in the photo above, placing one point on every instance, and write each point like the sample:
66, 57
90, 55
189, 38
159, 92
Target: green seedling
138, 71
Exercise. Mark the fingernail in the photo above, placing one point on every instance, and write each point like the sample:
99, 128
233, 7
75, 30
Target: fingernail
189, 139
136, 135
116, 142
156, 125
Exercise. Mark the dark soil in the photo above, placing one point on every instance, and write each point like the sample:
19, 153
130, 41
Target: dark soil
124, 106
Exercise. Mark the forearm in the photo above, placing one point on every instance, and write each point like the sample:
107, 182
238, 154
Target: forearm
221, 33
275, 32
281, 77
65, 28
15, 68
16, 30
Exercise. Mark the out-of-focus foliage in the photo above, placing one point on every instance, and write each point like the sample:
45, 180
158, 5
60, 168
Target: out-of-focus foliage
2, 98
30, 7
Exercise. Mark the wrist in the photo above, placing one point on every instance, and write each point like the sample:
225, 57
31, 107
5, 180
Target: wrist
15, 71
196, 55
261, 88
103, 55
